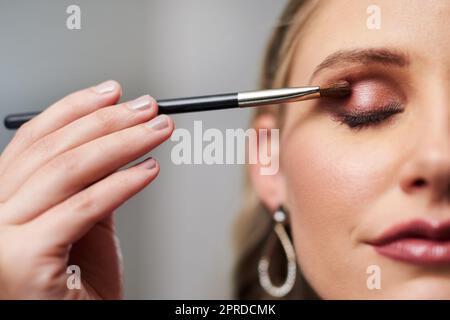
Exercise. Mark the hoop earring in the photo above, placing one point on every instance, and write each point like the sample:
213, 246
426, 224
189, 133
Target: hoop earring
263, 265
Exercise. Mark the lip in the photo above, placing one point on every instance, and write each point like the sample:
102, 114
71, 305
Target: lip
417, 242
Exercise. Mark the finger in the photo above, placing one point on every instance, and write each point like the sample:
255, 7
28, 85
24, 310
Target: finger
68, 109
67, 222
76, 169
90, 127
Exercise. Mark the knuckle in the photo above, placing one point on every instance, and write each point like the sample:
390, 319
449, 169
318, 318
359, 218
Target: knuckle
66, 162
84, 202
43, 146
73, 99
106, 119
71, 103
126, 178
125, 112
123, 138
106, 147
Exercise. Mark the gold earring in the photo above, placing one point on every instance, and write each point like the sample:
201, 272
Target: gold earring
264, 263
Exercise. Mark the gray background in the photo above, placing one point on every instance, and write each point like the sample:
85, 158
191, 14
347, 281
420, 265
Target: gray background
176, 234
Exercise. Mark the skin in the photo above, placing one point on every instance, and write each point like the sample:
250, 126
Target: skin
343, 187
60, 183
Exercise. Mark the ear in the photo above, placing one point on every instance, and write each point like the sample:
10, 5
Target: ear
270, 188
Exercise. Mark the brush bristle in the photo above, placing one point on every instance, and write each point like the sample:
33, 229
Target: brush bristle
339, 89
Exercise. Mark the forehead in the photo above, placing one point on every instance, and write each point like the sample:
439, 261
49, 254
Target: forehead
420, 28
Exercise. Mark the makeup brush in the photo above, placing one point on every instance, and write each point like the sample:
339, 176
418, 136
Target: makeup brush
339, 89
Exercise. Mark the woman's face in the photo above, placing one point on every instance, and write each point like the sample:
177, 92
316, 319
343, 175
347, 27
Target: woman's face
367, 178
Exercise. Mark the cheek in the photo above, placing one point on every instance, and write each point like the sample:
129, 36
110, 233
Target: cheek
331, 184
332, 174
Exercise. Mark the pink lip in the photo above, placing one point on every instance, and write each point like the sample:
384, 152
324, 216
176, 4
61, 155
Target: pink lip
418, 242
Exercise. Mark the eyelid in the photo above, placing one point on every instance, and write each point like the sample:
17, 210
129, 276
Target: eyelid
361, 119
368, 93
357, 72
373, 101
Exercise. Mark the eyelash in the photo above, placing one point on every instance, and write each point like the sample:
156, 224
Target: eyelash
359, 120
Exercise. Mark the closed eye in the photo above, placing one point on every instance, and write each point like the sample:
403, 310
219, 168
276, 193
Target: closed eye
368, 118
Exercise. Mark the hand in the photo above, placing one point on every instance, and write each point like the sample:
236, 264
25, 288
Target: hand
59, 185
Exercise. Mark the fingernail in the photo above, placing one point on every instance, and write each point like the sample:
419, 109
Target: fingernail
148, 164
159, 123
140, 103
105, 87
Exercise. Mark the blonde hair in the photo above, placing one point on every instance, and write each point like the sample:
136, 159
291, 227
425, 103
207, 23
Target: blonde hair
254, 224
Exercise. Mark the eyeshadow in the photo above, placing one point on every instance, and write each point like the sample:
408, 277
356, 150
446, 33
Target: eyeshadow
369, 94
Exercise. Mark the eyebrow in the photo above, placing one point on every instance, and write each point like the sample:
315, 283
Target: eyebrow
363, 56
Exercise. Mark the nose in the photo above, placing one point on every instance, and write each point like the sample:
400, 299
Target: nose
427, 171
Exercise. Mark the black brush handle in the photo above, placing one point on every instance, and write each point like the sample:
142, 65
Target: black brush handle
14, 121
201, 103
169, 106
